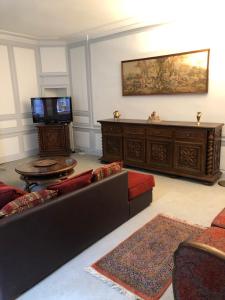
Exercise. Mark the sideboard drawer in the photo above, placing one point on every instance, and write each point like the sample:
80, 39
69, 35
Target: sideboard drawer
160, 132
190, 134
134, 131
111, 129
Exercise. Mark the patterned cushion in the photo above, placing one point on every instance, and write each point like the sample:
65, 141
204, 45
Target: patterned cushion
219, 220
107, 170
72, 184
9, 193
139, 183
27, 201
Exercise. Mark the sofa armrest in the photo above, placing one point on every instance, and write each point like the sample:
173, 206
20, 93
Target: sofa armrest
199, 267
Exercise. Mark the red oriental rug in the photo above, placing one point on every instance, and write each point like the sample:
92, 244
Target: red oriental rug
142, 264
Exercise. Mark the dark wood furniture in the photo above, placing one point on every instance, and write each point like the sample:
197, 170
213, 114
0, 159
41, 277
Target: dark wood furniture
54, 139
177, 148
46, 171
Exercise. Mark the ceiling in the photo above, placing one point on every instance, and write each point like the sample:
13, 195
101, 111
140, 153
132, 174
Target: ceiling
77, 19
65, 19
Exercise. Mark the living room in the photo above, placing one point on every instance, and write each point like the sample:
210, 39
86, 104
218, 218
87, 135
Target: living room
41, 57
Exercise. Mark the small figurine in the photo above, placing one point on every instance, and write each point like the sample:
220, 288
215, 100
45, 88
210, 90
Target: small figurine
116, 114
154, 117
198, 117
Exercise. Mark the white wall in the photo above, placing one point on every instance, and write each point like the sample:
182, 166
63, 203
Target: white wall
105, 59
106, 76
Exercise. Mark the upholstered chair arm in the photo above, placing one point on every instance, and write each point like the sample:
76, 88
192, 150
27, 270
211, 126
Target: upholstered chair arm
199, 267
206, 248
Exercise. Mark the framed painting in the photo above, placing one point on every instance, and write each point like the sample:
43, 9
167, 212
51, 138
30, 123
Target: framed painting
178, 73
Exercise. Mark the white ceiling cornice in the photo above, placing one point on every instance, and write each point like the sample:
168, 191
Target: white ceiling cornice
94, 33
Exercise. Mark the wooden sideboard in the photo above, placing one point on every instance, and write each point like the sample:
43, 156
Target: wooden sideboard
54, 139
176, 148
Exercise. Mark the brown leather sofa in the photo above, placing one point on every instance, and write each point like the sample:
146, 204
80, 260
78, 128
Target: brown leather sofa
37, 241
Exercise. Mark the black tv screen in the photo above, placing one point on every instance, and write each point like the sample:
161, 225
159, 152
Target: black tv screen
52, 109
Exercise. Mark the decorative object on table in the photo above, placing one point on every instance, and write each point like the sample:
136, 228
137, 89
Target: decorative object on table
178, 73
142, 265
45, 163
116, 114
198, 117
154, 117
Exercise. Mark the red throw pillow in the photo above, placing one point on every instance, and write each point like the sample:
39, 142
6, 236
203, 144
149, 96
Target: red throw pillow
107, 170
9, 193
27, 201
72, 184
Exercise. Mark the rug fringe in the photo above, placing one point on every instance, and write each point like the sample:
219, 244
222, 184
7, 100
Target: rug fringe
112, 284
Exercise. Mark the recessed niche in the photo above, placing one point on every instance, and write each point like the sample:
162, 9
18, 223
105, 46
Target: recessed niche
54, 92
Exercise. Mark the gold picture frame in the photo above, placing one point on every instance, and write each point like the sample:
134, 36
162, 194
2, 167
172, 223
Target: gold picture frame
179, 73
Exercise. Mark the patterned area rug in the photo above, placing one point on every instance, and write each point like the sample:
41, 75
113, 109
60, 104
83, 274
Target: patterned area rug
142, 264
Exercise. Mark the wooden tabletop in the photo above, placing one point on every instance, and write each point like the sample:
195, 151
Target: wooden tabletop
162, 123
47, 166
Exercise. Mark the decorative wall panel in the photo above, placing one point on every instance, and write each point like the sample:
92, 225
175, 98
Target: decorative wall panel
9, 146
82, 139
26, 76
30, 141
79, 79
53, 59
8, 124
6, 90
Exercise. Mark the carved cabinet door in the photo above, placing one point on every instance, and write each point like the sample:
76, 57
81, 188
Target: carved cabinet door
159, 153
134, 150
53, 139
189, 157
112, 147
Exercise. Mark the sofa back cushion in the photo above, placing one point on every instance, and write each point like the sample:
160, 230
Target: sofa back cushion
72, 184
27, 201
107, 170
9, 193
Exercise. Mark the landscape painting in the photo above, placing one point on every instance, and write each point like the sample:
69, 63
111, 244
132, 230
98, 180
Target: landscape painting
169, 74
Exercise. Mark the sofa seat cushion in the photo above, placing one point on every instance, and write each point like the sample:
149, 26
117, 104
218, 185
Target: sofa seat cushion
139, 183
27, 201
72, 184
9, 193
107, 170
219, 220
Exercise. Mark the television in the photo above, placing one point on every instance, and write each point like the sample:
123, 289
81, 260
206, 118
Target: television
51, 109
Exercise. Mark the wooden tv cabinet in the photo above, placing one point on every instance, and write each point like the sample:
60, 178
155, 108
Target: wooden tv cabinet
54, 139
176, 148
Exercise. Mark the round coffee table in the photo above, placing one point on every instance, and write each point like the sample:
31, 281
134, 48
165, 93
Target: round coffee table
46, 170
